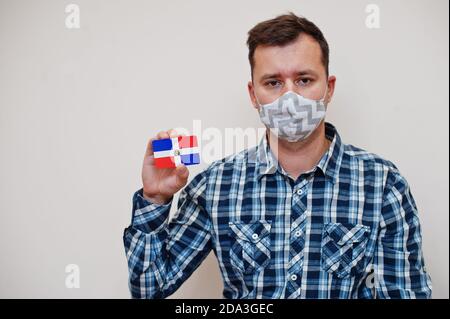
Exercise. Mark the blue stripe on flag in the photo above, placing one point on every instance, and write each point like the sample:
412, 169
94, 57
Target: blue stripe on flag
162, 145
190, 159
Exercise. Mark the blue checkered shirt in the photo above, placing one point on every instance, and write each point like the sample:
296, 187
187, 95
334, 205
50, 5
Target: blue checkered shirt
348, 228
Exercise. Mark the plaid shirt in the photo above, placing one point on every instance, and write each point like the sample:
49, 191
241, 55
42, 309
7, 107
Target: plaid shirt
348, 228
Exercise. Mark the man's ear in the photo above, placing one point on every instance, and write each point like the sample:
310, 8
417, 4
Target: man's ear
251, 93
331, 85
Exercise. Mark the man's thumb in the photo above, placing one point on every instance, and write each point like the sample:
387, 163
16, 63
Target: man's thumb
182, 172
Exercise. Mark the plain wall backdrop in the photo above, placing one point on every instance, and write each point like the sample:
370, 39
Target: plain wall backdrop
77, 107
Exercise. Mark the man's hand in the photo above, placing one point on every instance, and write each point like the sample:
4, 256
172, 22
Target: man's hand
160, 184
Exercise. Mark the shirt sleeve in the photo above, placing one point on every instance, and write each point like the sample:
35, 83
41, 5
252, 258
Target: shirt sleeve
399, 266
161, 255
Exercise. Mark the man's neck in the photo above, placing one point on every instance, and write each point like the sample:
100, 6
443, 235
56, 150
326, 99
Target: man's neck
299, 157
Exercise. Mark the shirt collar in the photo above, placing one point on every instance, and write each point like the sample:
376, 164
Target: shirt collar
329, 163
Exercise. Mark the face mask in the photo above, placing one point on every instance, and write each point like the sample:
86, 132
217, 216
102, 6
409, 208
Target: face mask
293, 117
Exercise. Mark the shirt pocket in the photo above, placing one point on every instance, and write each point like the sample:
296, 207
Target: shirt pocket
343, 247
250, 245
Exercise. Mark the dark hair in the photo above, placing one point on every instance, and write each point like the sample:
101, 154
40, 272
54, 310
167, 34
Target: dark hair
283, 30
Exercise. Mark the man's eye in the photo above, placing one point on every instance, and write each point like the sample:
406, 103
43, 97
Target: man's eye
304, 82
273, 83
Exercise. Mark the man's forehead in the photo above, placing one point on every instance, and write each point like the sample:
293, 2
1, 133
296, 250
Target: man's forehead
301, 56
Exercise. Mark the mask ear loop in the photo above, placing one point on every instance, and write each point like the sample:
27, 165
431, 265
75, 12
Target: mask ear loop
325, 95
256, 98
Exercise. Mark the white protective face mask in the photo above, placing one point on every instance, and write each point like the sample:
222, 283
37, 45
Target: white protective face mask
293, 117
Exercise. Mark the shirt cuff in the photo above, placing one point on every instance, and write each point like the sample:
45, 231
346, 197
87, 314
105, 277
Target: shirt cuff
147, 216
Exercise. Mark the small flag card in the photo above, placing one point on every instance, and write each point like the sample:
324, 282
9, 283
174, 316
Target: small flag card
171, 152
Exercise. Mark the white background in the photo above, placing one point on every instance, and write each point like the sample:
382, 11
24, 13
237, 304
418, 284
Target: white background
78, 106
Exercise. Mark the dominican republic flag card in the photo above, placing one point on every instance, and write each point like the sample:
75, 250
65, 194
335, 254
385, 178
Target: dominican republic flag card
171, 152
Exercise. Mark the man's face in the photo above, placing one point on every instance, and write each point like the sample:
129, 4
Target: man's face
295, 67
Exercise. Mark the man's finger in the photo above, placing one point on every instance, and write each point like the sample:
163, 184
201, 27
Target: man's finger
162, 134
172, 133
182, 174
149, 149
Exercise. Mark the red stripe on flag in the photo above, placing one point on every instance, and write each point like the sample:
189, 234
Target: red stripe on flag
187, 141
165, 162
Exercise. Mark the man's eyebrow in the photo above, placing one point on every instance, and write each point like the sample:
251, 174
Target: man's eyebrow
270, 76
277, 75
306, 72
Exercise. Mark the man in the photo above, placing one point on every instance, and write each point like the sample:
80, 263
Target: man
301, 215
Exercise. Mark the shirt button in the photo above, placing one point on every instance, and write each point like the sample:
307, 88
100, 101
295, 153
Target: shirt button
300, 192
294, 277
255, 236
298, 233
